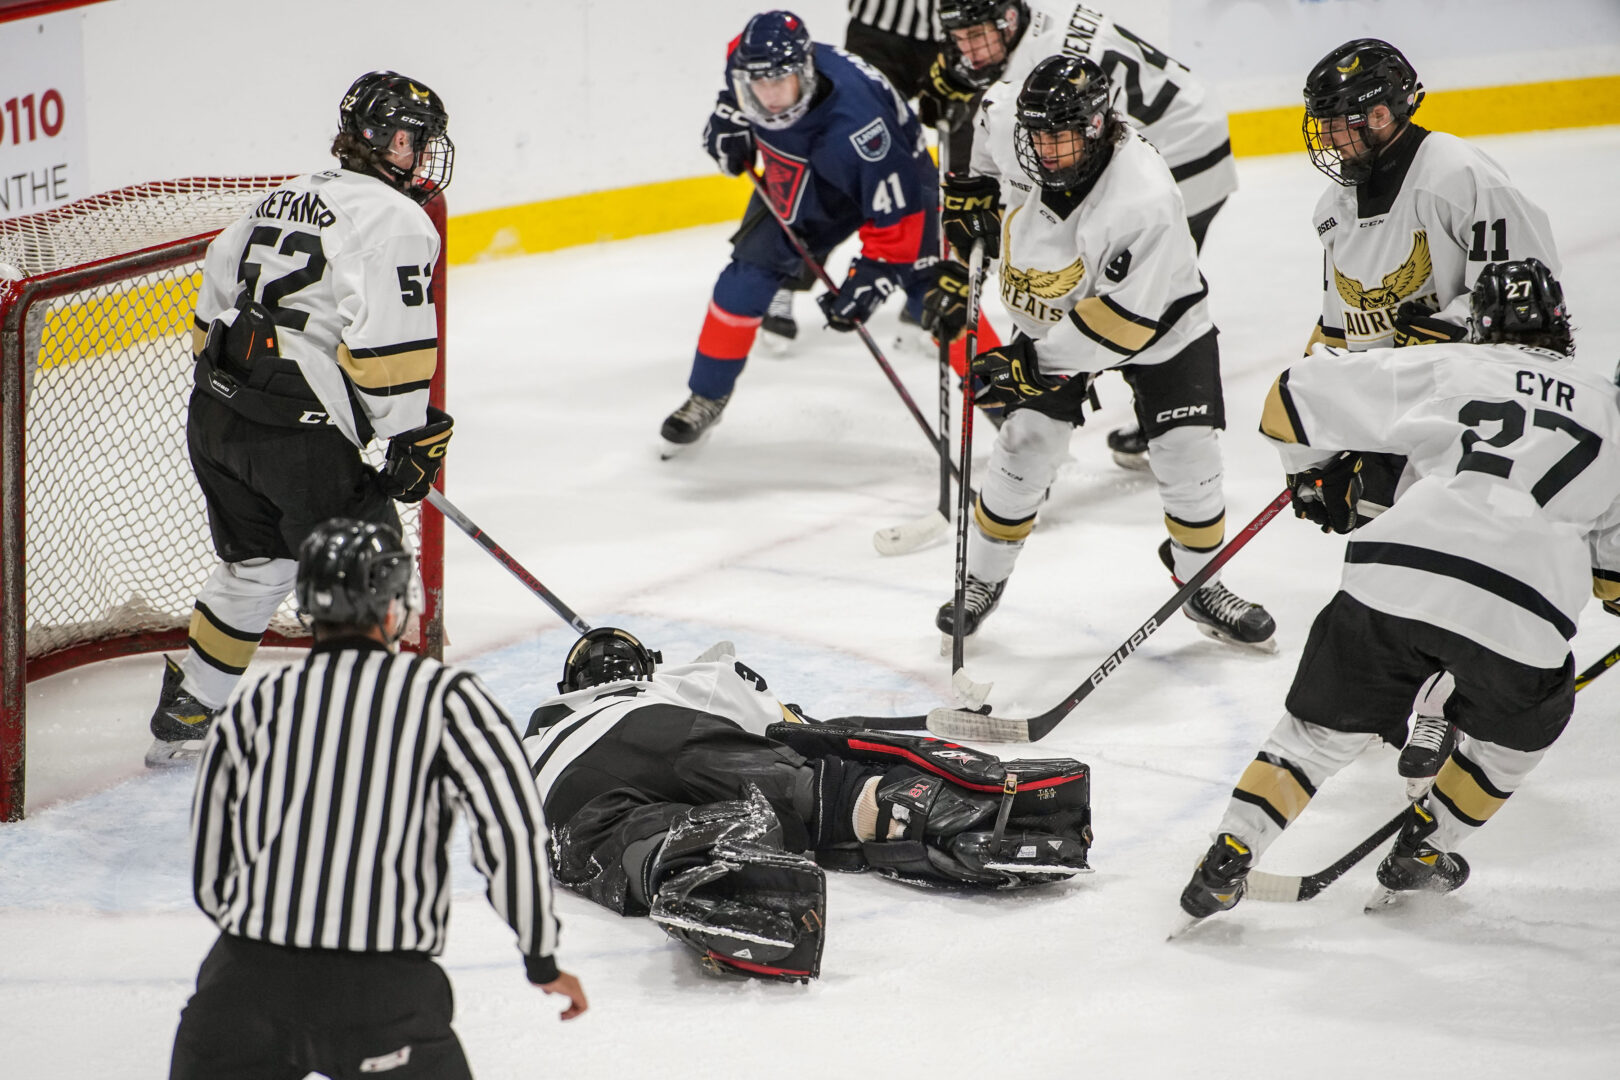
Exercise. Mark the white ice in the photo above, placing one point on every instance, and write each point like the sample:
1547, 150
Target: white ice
562, 367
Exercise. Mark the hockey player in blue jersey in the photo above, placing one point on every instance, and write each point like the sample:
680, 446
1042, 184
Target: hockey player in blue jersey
841, 153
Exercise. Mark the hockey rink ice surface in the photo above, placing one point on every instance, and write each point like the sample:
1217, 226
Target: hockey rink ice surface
562, 367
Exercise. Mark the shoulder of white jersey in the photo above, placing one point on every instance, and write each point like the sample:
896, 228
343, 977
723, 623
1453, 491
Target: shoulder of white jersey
1443, 154
1138, 178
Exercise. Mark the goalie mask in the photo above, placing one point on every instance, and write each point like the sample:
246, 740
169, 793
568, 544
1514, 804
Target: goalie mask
980, 36
774, 48
1520, 302
380, 103
353, 573
1064, 130
606, 654
1341, 92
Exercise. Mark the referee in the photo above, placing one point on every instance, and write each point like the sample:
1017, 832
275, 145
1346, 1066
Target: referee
321, 825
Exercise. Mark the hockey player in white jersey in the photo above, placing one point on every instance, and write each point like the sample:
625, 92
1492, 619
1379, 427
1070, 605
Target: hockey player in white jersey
315, 332
990, 40
691, 794
1411, 218
1098, 272
1481, 569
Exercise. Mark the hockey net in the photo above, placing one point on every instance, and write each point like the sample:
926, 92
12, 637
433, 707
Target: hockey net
104, 539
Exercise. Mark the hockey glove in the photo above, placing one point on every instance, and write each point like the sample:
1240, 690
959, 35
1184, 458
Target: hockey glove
945, 304
868, 284
728, 137
415, 457
1010, 374
1417, 325
1327, 495
972, 211
948, 93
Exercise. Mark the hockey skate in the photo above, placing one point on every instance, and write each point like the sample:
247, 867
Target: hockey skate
689, 423
1431, 742
980, 598
1222, 614
1220, 879
779, 319
179, 723
1129, 447
1414, 865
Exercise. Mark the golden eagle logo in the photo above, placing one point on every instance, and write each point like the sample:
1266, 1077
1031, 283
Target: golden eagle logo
1397, 286
1046, 284
418, 95
1350, 68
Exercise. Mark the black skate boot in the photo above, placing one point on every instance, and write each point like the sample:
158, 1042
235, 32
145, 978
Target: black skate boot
1414, 865
1224, 615
1220, 880
980, 598
179, 723
687, 424
779, 316
1129, 447
1431, 742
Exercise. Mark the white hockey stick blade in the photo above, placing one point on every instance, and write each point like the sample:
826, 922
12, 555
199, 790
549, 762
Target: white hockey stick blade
969, 694
976, 726
1271, 888
911, 536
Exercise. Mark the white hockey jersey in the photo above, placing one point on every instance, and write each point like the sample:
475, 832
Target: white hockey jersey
1513, 518
345, 262
1172, 107
1455, 211
724, 687
1114, 279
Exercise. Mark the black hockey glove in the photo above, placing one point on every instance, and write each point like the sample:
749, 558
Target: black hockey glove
1327, 495
728, 136
415, 457
1417, 325
945, 304
948, 95
868, 284
971, 211
1010, 374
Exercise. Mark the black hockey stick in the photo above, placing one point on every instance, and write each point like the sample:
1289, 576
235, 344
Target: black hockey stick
943, 129
865, 334
964, 724
1598, 667
968, 693
436, 499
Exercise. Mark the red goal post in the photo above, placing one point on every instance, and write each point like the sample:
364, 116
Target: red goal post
104, 538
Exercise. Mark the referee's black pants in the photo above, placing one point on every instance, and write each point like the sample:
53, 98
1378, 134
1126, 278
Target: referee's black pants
265, 1012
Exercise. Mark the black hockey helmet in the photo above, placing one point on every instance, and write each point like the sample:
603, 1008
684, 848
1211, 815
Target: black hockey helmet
1065, 94
1522, 303
606, 654
1348, 83
774, 45
1009, 18
352, 573
382, 102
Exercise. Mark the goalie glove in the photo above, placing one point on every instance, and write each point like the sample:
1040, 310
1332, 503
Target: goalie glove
415, 457
729, 137
945, 304
971, 210
1010, 375
1327, 495
869, 283
1417, 325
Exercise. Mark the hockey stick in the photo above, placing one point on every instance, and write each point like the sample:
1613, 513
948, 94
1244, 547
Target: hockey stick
968, 693
865, 334
436, 499
964, 724
1598, 667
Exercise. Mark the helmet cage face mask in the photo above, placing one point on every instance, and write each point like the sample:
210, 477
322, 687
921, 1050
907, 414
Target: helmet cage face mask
1006, 18
742, 85
1346, 86
383, 102
606, 655
773, 46
1063, 94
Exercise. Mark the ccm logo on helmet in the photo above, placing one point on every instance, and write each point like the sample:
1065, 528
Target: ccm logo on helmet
1182, 412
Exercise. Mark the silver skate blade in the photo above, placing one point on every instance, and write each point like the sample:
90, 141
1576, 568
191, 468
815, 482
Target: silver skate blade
977, 726
1417, 787
1382, 899
1185, 923
181, 754
910, 536
969, 694
1268, 647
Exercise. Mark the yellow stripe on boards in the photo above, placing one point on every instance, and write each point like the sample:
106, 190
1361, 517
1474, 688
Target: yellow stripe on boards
118, 320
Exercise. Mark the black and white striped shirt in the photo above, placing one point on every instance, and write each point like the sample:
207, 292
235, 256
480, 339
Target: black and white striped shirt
909, 18
326, 799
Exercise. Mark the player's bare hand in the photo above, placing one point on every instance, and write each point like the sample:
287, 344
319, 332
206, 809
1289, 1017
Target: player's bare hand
568, 986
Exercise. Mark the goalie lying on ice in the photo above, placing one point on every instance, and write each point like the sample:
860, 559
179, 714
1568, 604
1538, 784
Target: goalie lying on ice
692, 795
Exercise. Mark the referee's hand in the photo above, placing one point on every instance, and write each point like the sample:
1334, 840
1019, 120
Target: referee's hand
569, 987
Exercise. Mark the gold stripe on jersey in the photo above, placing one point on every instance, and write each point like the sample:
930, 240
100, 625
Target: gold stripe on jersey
1466, 791
1605, 585
1197, 535
999, 528
199, 338
1278, 418
1320, 335
1278, 787
218, 643
394, 369
1112, 326
1397, 285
